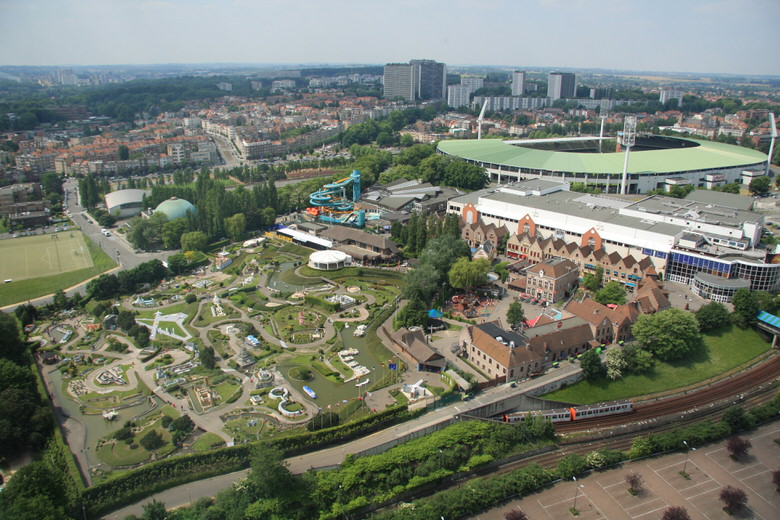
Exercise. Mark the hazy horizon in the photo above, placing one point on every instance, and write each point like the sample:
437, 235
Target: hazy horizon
733, 37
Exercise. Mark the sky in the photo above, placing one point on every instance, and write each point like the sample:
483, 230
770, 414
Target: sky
700, 36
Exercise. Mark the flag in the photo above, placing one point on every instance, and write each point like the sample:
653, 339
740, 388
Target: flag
393, 366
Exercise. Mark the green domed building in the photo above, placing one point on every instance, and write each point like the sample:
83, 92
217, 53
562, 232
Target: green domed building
175, 208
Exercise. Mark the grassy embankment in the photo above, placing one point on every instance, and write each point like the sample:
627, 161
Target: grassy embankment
724, 350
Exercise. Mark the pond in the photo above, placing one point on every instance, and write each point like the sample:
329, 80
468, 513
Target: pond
275, 282
334, 394
95, 425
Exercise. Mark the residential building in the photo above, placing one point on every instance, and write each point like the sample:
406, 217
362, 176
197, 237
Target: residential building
561, 85
616, 267
283, 84
472, 82
669, 94
458, 95
518, 82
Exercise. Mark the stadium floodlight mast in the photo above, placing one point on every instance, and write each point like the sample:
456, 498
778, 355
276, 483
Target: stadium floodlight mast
601, 132
773, 130
629, 138
480, 118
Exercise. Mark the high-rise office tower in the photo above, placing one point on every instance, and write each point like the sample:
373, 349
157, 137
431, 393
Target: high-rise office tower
560, 85
431, 78
518, 82
417, 80
399, 81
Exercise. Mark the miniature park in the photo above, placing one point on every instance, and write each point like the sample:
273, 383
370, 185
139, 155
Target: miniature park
288, 344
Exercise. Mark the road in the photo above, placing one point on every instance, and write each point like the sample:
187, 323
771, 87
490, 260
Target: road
226, 151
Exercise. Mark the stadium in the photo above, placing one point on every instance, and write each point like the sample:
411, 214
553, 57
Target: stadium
655, 162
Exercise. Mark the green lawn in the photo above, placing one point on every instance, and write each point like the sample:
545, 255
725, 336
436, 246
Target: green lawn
23, 290
208, 441
226, 389
724, 350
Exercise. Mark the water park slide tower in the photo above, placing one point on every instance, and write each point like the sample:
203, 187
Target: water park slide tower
332, 203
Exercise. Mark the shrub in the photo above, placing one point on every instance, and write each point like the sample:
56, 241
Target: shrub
676, 513
737, 420
123, 433
571, 465
182, 424
634, 481
738, 447
190, 298
152, 440
733, 498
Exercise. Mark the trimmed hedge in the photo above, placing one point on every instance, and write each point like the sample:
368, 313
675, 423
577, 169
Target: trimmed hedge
164, 474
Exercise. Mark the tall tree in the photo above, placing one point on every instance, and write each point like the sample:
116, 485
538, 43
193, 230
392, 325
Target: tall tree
11, 344
712, 316
466, 274
745, 307
194, 241
515, 315
668, 335
235, 226
613, 292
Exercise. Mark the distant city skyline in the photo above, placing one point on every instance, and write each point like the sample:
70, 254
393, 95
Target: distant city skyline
698, 36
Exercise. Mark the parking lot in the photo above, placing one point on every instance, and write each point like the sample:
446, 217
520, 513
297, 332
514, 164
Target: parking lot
601, 495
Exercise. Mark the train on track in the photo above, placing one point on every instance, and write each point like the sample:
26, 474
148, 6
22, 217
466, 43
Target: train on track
575, 413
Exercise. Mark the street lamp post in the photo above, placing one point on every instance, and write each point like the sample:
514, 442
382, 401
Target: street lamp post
685, 465
576, 494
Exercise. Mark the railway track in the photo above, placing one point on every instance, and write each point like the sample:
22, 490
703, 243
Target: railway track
751, 387
693, 402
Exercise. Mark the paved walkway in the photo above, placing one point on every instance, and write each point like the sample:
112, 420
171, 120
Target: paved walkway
605, 495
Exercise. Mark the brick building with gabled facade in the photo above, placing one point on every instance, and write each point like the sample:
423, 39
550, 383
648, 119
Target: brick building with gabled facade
552, 279
624, 269
511, 355
611, 325
478, 233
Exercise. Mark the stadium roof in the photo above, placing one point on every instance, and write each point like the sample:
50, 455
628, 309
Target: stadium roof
708, 155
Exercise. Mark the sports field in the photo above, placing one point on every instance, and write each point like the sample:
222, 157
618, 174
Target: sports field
43, 255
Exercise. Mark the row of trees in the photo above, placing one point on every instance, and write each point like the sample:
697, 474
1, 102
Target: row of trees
422, 162
430, 277
25, 420
108, 286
